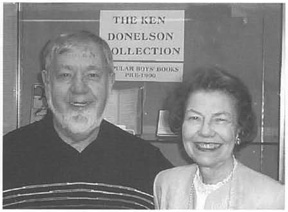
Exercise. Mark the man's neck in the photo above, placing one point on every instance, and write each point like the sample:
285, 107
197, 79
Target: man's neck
78, 141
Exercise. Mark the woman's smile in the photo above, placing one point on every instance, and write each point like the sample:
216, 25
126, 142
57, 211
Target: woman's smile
203, 146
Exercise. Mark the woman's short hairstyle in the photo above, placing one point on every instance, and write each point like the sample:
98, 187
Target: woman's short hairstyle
213, 79
65, 42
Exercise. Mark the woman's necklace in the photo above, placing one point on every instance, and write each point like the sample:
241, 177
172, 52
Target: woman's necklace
203, 190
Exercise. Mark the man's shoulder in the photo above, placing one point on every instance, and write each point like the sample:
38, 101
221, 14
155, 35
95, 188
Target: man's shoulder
28, 132
134, 147
125, 138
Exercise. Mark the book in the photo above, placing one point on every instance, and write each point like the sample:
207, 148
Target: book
38, 103
124, 109
163, 129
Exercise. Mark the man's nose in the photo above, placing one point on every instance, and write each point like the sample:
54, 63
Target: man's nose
206, 130
79, 85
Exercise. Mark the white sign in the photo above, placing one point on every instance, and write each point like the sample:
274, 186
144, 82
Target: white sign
152, 72
144, 35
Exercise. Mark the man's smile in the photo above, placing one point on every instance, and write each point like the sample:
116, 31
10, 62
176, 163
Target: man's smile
80, 104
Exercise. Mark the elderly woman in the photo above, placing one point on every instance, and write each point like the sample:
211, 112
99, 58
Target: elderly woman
214, 112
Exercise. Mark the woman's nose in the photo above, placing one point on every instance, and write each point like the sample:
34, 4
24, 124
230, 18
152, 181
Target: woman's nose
206, 130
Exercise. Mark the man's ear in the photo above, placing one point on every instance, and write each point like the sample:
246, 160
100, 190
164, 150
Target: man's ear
45, 77
112, 80
113, 77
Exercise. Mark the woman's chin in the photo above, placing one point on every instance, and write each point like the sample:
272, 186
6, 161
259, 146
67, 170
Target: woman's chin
204, 160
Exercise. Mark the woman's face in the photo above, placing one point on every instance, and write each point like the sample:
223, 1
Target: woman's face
210, 127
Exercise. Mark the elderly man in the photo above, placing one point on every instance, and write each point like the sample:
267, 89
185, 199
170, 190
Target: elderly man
73, 152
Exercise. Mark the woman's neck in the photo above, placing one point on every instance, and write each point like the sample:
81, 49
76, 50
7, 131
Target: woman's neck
215, 174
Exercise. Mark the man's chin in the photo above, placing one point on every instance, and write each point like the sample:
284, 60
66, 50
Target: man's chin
80, 129
78, 135
77, 124
79, 132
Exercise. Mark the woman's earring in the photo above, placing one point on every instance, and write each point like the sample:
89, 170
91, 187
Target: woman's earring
238, 141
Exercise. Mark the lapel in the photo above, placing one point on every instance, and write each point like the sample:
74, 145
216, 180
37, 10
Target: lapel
179, 193
190, 192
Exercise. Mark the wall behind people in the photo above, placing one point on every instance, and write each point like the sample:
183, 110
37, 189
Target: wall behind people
243, 38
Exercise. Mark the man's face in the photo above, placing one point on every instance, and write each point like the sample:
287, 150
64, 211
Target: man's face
78, 87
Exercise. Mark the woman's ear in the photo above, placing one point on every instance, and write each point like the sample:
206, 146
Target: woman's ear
239, 131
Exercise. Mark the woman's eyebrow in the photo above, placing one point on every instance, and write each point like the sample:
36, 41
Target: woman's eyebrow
222, 113
190, 110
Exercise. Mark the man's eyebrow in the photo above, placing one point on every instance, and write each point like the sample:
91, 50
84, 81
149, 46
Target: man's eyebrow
67, 67
94, 67
193, 111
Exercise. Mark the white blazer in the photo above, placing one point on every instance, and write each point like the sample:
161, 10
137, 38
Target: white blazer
248, 189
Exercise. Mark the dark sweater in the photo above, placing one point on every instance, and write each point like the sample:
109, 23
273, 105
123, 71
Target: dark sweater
35, 154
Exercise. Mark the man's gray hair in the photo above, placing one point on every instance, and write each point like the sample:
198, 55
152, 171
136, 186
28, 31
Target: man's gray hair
66, 42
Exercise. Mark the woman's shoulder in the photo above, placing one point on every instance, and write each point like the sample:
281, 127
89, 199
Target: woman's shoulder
177, 173
257, 179
259, 190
